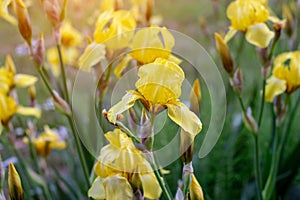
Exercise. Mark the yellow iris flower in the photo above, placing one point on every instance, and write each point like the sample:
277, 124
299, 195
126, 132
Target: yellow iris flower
285, 76
70, 37
114, 24
47, 141
250, 17
119, 165
8, 80
159, 87
114, 30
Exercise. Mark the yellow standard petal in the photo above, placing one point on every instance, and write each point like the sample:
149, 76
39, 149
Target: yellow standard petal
274, 88
160, 81
245, 13
127, 102
151, 43
117, 187
259, 35
24, 80
97, 190
185, 118
93, 54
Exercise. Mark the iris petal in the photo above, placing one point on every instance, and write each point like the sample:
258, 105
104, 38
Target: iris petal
259, 35
185, 118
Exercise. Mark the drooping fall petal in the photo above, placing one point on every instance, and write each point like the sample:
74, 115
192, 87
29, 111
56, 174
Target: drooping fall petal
274, 88
127, 102
122, 191
185, 118
151, 186
97, 190
259, 35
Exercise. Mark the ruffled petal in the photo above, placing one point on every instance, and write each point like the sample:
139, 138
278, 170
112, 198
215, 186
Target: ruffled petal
185, 118
117, 187
151, 186
93, 54
97, 189
24, 80
127, 102
274, 88
259, 35
160, 81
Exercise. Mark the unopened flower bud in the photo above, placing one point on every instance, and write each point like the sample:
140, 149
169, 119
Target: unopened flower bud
279, 109
10, 65
38, 54
145, 125
23, 21
290, 21
132, 119
136, 180
195, 97
224, 53
237, 81
196, 189
14, 184
51, 9
61, 104
250, 122
32, 95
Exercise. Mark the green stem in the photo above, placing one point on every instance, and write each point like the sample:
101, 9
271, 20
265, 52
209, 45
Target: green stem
159, 176
256, 154
45, 80
63, 73
289, 124
79, 150
257, 167
160, 179
262, 104
74, 130
270, 184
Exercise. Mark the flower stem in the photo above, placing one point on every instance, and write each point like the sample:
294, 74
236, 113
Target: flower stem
73, 128
256, 154
270, 184
160, 179
63, 73
262, 104
257, 167
79, 150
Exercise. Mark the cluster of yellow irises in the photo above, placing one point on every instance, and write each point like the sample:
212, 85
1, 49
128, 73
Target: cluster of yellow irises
281, 75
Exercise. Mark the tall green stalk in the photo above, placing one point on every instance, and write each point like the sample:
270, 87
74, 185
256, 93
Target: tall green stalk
73, 128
